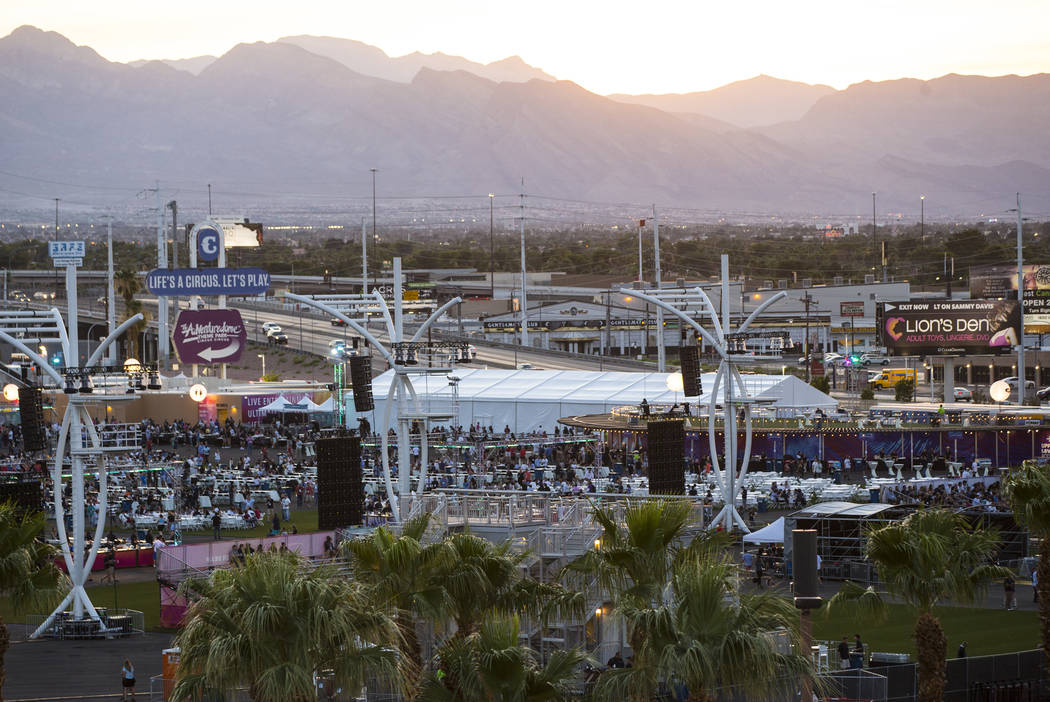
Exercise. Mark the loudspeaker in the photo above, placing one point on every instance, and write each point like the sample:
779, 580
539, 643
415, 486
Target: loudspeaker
340, 488
804, 568
31, 412
361, 382
666, 442
27, 495
690, 362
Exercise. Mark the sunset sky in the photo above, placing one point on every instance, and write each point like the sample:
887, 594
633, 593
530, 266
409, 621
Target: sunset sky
606, 46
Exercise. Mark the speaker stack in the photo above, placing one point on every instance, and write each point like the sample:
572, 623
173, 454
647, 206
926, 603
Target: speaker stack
666, 441
690, 362
361, 382
27, 495
31, 412
340, 488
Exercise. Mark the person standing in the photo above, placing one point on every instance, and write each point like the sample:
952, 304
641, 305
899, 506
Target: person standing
961, 653
286, 508
844, 653
127, 680
856, 658
216, 525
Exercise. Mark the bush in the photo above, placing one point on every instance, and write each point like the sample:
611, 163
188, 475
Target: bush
867, 394
821, 383
271, 377
904, 390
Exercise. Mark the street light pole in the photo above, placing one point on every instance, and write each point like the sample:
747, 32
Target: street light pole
375, 245
263, 357
492, 252
524, 297
111, 298
1020, 303
922, 219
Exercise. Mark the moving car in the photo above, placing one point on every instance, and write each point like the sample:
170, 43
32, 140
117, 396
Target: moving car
889, 377
963, 394
874, 359
526, 366
337, 348
277, 337
267, 326
336, 322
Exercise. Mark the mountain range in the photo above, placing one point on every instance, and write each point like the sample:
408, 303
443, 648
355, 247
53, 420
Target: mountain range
322, 111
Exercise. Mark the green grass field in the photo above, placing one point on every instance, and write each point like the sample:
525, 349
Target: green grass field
986, 631
304, 520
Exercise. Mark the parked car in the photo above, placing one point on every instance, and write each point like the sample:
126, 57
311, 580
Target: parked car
277, 337
526, 366
1044, 394
963, 394
337, 348
1029, 385
874, 359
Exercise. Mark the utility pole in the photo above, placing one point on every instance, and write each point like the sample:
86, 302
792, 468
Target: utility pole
111, 298
524, 284
807, 300
375, 245
641, 277
1020, 302
162, 300
209, 199
922, 219
174, 207
56, 239
949, 273
492, 251
661, 351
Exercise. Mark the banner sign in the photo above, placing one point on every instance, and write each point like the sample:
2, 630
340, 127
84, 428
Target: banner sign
208, 281
949, 326
208, 244
1000, 282
209, 336
851, 309
251, 404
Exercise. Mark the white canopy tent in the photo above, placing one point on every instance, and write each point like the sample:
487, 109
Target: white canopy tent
285, 404
772, 533
526, 400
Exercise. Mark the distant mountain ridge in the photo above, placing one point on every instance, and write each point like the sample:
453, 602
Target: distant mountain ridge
277, 114
755, 102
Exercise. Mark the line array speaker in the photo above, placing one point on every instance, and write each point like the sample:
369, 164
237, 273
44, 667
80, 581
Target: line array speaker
690, 362
666, 442
340, 488
31, 412
361, 382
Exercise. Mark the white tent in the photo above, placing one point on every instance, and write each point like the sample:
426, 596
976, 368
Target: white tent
772, 533
284, 404
526, 400
326, 406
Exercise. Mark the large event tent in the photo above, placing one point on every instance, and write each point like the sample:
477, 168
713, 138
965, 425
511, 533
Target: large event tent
526, 400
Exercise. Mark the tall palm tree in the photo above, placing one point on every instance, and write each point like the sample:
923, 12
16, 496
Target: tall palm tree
489, 665
708, 638
1028, 491
401, 571
272, 625
930, 557
28, 575
126, 283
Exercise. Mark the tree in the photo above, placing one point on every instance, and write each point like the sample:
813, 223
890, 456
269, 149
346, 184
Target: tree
489, 665
401, 573
708, 638
932, 556
1028, 491
126, 283
821, 382
904, 390
273, 624
28, 574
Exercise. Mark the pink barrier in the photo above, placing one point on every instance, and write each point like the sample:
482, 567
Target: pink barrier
173, 607
126, 558
216, 554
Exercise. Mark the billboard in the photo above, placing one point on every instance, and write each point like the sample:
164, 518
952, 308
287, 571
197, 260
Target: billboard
1000, 282
209, 336
948, 327
852, 308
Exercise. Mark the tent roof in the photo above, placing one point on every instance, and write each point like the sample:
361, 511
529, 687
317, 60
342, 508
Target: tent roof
283, 404
772, 533
602, 387
843, 509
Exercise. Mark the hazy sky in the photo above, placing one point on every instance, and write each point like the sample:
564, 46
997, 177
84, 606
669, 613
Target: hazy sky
606, 46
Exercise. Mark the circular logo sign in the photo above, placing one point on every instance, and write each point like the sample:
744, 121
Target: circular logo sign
208, 244
198, 392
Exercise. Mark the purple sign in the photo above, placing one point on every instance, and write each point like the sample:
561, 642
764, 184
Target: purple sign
209, 336
252, 404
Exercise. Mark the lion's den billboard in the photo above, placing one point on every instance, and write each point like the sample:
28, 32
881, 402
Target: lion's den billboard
949, 327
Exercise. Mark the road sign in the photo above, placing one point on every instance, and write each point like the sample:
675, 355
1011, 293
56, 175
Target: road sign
208, 281
60, 262
209, 336
66, 249
208, 244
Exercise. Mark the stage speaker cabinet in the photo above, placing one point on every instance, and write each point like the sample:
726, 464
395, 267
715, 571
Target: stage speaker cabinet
804, 568
361, 382
690, 362
666, 442
27, 495
340, 486
31, 412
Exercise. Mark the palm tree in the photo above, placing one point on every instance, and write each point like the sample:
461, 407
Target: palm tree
127, 284
479, 579
707, 637
272, 625
932, 556
28, 575
401, 571
489, 665
1028, 490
